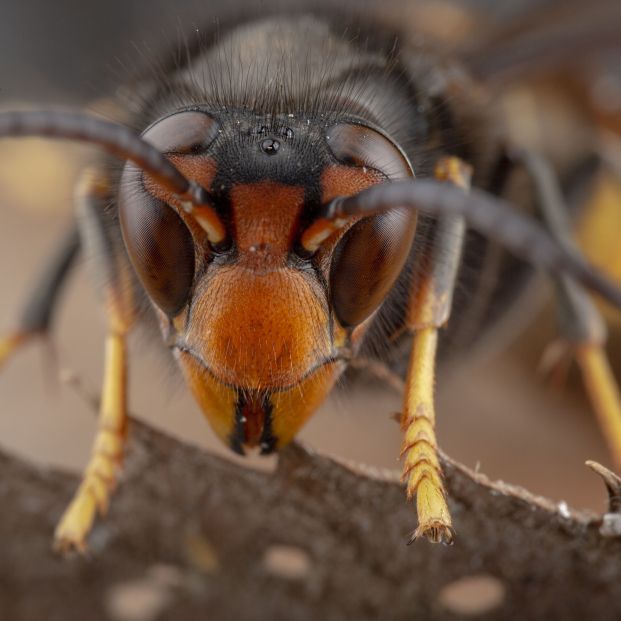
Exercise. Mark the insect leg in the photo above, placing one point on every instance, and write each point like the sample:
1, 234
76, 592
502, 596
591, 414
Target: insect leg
429, 310
582, 328
36, 316
99, 477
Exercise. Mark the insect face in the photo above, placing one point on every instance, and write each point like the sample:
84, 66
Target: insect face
256, 214
263, 303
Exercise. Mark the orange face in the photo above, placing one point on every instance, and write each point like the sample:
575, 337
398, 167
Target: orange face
262, 351
256, 337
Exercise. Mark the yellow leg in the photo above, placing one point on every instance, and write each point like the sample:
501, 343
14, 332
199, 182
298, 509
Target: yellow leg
100, 475
429, 309
10, 344
604, 394
581, 324
101, 472
421, 469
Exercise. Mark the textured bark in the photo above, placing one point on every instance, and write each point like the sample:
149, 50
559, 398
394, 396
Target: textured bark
192, 536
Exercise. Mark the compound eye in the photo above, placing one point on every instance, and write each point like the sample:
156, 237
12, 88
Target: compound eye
370, 256
367, 262
159, 244
358, 145
185, 133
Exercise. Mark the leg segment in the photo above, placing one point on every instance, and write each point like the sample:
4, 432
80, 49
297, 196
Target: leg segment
428, 311
37, 314
582, 328
102, 469
101, 472
422, 470
603, 391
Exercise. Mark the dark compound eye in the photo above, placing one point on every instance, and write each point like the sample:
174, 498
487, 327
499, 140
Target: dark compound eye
159, 244
367, 262
184, 133
369, 258
359, 145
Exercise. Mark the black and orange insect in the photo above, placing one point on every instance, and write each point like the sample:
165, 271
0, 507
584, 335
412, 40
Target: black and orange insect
300, 192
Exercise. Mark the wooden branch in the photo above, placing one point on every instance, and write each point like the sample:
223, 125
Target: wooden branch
191, 536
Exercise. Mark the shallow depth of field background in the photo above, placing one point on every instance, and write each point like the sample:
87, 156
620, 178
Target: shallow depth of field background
493, 412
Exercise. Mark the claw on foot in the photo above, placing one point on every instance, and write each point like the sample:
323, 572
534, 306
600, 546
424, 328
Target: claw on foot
612, 483
76, 523
435, 531
433, 514
93, 495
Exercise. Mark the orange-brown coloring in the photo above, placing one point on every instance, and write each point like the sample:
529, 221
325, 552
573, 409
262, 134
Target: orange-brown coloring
259, 342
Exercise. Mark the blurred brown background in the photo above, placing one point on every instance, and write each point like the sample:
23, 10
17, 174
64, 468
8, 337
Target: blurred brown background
493, 411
